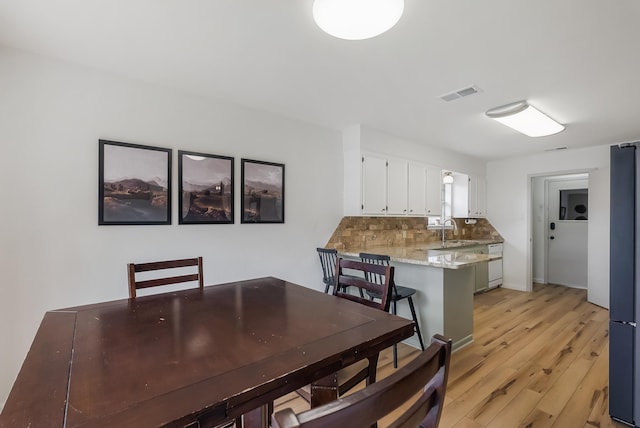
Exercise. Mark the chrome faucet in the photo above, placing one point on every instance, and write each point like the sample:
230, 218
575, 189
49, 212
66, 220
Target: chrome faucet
444, 223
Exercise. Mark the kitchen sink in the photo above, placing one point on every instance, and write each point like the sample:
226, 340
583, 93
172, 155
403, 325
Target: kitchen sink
458, 243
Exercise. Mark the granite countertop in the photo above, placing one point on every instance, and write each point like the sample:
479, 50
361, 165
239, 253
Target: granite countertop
451, 256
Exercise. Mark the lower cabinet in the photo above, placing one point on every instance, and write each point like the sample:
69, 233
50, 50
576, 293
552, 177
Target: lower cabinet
480, 270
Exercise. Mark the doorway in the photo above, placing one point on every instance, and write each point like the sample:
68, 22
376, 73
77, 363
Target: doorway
560, 229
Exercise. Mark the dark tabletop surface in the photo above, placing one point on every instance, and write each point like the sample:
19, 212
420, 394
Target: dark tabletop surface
173, 358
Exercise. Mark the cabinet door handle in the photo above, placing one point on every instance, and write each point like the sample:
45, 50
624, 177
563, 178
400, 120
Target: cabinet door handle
404, 211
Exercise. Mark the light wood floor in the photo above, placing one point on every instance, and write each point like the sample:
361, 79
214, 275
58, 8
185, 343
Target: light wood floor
538, 360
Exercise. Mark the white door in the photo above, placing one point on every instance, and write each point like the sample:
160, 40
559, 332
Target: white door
567, 232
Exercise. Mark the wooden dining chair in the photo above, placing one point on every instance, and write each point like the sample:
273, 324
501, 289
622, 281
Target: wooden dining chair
351, 274
134, 268
398, 294
365, 283
428, 371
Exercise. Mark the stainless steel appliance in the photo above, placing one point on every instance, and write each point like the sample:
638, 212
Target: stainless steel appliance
624, 277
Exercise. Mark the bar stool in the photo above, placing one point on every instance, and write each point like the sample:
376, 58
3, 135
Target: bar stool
328, 259
399, 293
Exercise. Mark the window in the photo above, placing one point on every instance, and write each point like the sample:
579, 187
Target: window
434, 221
574, 204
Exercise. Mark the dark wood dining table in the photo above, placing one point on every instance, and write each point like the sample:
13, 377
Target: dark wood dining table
192, 357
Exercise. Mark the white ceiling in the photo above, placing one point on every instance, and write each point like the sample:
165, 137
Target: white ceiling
576, 60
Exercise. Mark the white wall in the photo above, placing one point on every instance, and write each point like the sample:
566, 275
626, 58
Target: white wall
53, 253
509, 208
380, 142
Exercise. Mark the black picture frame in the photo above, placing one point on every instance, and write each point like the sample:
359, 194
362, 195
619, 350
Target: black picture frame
262, 199
205, 188
134, 184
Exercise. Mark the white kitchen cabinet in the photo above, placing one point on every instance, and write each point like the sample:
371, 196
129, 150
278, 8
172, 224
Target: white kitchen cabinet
481, 196
374, 185
433, 197
397, 186
477, 196
468, 196
417, 189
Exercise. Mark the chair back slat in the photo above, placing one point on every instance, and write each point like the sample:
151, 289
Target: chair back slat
169, 264
134, 268
429, 372
328, 257
344, 281
378, 259
166, 281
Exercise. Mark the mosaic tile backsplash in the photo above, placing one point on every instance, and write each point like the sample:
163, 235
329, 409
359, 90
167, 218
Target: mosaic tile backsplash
371, 232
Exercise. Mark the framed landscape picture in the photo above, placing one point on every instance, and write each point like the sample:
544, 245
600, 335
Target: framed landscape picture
206, 188
134, 184
262, 192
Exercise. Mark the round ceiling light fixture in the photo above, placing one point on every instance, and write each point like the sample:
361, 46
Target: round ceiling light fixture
357, 19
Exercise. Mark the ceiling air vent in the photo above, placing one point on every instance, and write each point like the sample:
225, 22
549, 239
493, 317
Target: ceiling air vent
556, 148
464, 92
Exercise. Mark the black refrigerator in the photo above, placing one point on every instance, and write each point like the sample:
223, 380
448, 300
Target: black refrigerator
624, 313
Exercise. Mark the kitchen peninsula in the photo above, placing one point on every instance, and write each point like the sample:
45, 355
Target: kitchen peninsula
443, 277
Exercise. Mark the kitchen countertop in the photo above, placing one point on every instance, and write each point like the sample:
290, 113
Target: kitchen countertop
451, 256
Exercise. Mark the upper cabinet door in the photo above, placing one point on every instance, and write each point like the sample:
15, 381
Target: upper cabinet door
397, 186
460, 196
469, 196
417, 189
477, 196
473, 196
481, 196
434, 191
374, 185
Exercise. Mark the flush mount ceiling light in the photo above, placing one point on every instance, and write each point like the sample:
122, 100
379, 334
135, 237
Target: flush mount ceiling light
524, 118
447, 177
357, 19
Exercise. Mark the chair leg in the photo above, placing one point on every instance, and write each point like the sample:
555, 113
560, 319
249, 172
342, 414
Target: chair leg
415, 320
394, 310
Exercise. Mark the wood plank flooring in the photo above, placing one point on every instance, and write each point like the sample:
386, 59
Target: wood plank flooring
538, 360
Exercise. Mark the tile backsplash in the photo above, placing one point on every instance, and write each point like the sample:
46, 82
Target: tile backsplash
365, 232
